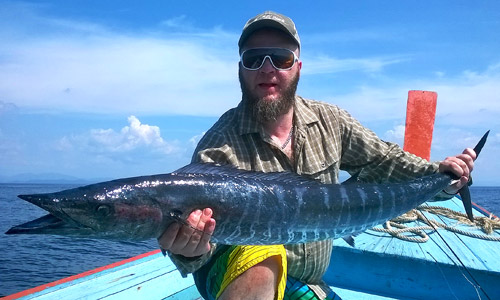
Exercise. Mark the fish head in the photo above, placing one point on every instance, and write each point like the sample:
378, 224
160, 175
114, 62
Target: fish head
109, 214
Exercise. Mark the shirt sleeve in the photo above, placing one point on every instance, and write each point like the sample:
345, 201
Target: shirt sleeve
376, 160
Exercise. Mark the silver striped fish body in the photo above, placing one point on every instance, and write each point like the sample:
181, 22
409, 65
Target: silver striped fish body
281, 208
249, 207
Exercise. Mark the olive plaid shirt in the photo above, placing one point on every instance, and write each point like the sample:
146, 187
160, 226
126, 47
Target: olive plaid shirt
326, 139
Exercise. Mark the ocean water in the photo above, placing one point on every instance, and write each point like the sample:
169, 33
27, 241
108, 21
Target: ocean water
31, 260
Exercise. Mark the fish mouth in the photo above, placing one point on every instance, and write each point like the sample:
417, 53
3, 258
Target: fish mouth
50, 224
56, 222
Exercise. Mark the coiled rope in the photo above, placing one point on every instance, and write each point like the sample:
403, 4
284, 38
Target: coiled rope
487, 224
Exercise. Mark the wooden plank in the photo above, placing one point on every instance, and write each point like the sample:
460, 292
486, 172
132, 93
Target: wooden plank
420, 114
392, 267
190, 293
76, 278
151, 276
128, 282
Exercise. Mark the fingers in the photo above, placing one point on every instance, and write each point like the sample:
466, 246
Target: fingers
455, 165
192, 240
204, 244
168, 237
461, 166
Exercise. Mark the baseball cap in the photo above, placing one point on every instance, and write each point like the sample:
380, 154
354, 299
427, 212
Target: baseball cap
269, 19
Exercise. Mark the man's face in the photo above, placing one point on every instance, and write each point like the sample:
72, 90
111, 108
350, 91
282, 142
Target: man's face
270, 91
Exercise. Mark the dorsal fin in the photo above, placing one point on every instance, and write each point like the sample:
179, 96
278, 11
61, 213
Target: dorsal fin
231, 171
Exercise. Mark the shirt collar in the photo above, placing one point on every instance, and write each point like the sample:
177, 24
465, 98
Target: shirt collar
303, 114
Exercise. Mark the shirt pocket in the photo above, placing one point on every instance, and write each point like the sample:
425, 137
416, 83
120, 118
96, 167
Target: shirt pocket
321, 161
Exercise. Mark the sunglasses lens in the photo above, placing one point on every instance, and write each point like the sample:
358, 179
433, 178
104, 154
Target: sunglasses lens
281, 58
252, 59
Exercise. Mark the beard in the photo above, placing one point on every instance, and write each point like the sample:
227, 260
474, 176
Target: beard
265, 111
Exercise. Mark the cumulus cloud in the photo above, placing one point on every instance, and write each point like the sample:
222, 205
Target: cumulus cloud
396, 134
193, 141
132, 138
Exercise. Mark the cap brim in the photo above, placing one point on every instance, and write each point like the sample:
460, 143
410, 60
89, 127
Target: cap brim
264, 24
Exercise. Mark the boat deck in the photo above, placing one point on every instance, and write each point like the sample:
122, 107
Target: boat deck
378, 267
447, 266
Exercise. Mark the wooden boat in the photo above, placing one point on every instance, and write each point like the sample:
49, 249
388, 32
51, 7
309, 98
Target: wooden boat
449, 265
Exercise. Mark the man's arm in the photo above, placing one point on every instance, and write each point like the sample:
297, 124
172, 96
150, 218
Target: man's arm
381, 161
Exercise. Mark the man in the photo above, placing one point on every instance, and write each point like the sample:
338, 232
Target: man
271, 130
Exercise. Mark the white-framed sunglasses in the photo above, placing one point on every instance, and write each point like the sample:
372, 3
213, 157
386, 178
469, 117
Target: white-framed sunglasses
281, 58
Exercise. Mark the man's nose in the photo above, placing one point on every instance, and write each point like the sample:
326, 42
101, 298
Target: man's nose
267, 66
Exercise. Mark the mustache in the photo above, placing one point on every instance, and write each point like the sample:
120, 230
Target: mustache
263, 110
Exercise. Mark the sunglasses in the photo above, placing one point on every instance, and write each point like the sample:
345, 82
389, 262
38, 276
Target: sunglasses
282, 59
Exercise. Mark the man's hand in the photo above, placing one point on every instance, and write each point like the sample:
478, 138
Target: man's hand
185, 240
460, 165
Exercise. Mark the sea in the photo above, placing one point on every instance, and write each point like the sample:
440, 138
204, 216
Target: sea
28, 261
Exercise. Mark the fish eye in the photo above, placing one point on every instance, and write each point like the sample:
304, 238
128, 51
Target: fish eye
103, 210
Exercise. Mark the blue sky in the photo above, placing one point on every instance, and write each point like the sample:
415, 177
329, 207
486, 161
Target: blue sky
108, 89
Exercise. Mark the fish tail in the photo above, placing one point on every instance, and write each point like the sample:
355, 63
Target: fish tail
464, 191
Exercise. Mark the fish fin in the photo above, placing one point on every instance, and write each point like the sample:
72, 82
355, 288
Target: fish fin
353, 179
349, 239
464, 191
177, 217
466, 199
232, 171
196, 168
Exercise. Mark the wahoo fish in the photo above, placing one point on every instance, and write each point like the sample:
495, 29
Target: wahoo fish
250, 208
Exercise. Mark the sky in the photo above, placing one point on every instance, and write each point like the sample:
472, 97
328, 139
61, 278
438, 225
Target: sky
110, 89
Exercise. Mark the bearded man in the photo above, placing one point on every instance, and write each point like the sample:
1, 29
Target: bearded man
274, 130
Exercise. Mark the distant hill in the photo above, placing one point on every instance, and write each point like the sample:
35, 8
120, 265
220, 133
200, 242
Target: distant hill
47, 178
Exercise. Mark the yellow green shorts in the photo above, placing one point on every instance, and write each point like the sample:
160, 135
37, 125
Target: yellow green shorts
231, 261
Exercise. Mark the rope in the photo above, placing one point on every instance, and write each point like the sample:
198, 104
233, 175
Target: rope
487, 224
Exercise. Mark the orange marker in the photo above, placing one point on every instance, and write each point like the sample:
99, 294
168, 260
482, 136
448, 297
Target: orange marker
420, 115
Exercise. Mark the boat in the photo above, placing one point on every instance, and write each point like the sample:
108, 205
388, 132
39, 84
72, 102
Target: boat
454, 261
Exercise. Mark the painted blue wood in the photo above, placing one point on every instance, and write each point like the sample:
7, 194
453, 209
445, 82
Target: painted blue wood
383, 265
151, 277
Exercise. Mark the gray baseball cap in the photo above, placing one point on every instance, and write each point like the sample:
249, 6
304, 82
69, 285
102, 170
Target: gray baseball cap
269, 19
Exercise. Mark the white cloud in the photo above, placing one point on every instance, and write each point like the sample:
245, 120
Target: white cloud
120, 74
323, 64
176, 22
396, 134
469, 99
196, 139
136, 137
89, 68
